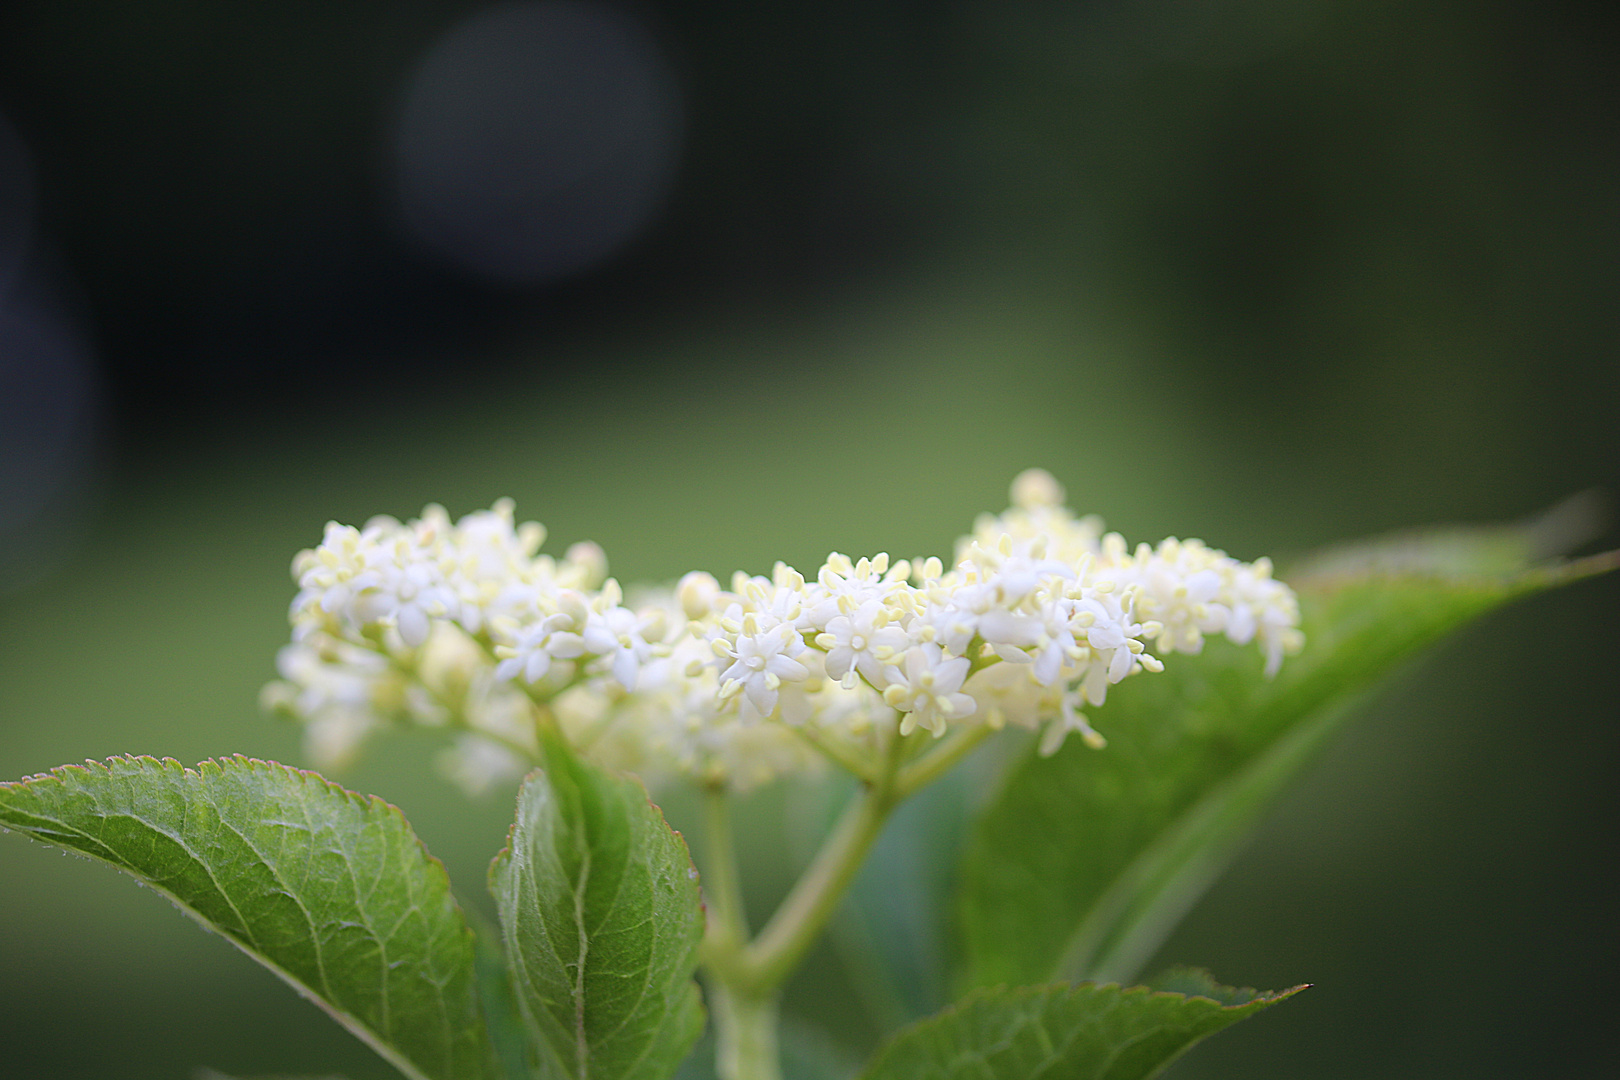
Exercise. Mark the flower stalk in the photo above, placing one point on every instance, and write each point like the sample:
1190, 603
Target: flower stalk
746, 976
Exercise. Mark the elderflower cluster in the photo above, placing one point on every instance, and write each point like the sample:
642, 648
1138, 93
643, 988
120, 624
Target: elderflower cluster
467, 626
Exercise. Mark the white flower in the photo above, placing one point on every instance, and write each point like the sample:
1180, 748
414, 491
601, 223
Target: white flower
1037, 516
779, 598
674, 722
1035, 488
955, 623
340, 692
763, 658
846, 585
328, 576
379, 577
1069, 719
534, 647
1114, 639
698, 593
1011, 571
626, 639
584, 566
409, 593
330, 674
1007, 693
1179, 587
492, 561
864, 642
1044, 637
1267, 609
928, 690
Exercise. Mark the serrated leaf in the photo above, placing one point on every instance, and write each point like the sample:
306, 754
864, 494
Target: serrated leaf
329, 889
601, 914
1084, 1032
1089, 858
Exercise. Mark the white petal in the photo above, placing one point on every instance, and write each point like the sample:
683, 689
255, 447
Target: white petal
760, 696
1049, 664
565, 646
413, 625
1120, 664
949, 675
1105, 635
787, 670
625, 668
1096, 684
1005, 628
879, 675
1052, 738
1274, 655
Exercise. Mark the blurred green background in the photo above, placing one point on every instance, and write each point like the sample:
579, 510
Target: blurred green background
1274, 274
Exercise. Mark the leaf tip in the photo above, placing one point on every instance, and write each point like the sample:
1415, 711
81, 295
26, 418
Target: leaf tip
1568, 524
504, 855
1191, 982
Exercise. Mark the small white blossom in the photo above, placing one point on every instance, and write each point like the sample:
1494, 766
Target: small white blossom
846, 586
864, 642
763, 656
697, 593
340, 691
928, 690
492, 566
1069, 719
534, 647
624, 638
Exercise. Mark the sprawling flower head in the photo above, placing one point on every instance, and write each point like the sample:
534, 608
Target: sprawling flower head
467, 624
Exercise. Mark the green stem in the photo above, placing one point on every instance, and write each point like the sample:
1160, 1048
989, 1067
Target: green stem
768, 960
834, 751
745, 1029
938, 759
745, 977
722, 887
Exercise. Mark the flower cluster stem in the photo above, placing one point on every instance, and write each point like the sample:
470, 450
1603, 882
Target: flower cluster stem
745, 1029
940, 758
772, 956
746, 976
728, 923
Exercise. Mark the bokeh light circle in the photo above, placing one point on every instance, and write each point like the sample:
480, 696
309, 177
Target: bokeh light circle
536, 139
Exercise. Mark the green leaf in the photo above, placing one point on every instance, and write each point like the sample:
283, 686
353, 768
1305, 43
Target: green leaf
1084, 1032
600, 909
330, 890
1089, 858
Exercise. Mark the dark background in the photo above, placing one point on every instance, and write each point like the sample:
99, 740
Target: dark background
716, 284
